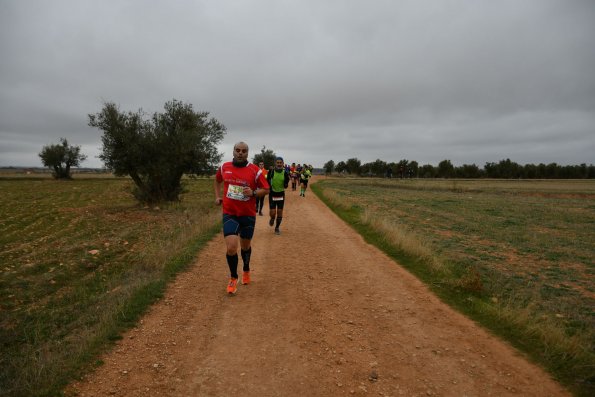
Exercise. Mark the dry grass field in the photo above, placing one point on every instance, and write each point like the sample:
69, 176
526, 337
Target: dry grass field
80, 261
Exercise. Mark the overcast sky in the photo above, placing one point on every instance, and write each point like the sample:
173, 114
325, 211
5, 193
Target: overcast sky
472, 81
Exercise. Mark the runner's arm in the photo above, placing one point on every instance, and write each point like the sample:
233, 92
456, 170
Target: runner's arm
261, 192
218, 185
262, 186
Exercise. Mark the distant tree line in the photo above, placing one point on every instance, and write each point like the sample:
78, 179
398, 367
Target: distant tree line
505, 169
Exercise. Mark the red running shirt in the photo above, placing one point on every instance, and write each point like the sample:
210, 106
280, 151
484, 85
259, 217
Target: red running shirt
234, 179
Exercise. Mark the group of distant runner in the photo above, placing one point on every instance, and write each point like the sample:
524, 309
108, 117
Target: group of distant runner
240, 188
302, 174
295, 173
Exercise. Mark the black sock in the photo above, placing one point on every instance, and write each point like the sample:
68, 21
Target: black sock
246, 258
232, 262
279, 219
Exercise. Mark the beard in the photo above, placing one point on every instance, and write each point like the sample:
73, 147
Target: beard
238, 163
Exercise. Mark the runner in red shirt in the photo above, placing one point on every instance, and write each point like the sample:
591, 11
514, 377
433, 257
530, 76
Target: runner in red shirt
293, 174
241, 182
260, 200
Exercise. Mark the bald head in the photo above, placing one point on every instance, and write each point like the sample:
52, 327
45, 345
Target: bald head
240, 152
242, 144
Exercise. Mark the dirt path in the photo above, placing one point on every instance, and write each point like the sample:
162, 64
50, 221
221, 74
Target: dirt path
326, 315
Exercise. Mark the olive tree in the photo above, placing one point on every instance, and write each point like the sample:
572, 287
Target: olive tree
267, 156
445, 169
157, 151
329, 167
60, 158
354, 165
341, 167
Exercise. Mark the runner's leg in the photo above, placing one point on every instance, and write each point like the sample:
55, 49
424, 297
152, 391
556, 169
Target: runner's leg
246, 233
246, 253
279, 218
232, 243
273, 211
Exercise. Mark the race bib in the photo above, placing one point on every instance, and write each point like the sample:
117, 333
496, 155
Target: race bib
280, 198
236, 192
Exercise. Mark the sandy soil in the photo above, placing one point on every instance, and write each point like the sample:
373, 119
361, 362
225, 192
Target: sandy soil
326, 315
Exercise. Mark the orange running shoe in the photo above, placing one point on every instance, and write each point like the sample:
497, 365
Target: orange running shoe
232, 287
246, 278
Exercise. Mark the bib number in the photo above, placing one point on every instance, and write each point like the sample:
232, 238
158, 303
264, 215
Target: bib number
236, 192
280, 198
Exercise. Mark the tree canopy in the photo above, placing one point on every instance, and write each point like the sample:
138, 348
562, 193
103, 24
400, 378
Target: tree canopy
267, 156
329, 167
353, 165
60, 158
157, 151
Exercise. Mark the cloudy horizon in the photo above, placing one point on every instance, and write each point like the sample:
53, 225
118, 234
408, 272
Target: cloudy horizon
471, 81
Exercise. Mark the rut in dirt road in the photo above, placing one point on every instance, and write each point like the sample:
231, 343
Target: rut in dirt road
325, 315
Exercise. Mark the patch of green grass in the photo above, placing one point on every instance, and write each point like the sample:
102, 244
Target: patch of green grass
515, 256
80, 261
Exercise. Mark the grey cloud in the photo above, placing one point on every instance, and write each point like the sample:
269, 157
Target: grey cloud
460, 79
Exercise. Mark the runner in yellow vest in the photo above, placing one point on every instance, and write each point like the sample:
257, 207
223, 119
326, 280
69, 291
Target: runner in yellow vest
278, 179
305, 176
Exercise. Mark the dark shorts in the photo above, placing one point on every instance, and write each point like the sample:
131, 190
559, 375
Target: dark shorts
304, 181
275, 200
242, 225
